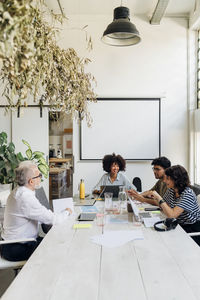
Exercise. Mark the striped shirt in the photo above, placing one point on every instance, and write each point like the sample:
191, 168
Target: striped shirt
188, 202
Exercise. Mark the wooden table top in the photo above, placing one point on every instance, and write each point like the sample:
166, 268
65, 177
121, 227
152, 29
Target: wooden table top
67, 265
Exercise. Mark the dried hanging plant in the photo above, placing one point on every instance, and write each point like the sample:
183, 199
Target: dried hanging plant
33, 64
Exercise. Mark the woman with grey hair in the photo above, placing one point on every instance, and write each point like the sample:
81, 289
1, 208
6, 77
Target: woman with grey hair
23, 213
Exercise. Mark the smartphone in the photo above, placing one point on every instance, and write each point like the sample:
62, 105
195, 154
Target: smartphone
152, 208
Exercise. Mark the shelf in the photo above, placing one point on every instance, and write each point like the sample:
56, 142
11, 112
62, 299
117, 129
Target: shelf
68, 131
59, 160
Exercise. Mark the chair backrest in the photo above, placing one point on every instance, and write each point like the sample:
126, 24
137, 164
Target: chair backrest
198, 199
40, 194
137, 183
196, 189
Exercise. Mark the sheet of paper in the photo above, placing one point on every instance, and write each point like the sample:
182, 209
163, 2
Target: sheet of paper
60, 204
117, 238
149, 222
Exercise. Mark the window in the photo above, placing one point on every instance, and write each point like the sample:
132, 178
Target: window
197, 134
198, 71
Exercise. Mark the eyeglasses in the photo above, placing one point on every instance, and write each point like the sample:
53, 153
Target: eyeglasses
156, 169
40, 175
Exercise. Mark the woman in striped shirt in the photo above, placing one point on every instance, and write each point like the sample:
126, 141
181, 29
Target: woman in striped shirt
179, 201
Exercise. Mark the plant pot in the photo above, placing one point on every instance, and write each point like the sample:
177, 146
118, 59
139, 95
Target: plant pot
5, 190
5, 187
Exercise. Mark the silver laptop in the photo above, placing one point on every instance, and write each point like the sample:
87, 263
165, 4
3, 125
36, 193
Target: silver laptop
84, 202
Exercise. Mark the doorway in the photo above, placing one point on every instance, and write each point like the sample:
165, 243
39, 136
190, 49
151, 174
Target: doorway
60, 156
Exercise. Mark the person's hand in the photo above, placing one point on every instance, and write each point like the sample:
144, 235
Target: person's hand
135, 195
155, 195
96, 192
69, 210
149, 194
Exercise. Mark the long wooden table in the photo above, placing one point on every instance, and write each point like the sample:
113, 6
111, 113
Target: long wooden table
67, 265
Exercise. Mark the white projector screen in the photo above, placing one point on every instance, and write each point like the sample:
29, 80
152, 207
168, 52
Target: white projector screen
129, 127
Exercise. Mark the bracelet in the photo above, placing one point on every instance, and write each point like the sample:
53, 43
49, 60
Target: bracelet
161, 202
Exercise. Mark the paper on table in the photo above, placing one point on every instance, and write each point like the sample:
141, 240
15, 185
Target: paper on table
60, 204
117, 238
149, 222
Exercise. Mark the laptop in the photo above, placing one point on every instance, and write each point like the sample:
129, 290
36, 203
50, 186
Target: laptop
88, 202
110, 189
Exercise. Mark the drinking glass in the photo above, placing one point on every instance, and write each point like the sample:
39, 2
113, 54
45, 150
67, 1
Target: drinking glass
108, 201
116, 207
100, 219
122, 197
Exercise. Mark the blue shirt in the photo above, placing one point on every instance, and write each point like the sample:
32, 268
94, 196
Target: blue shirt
121, 179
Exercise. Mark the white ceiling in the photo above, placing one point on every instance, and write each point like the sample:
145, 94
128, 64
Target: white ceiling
105, 7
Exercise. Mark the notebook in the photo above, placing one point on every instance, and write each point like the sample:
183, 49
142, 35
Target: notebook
110, 189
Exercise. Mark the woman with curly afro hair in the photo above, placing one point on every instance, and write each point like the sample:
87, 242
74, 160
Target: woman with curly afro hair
179, 201
113, 165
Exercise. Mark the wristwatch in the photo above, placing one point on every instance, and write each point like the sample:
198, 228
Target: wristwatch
161, 202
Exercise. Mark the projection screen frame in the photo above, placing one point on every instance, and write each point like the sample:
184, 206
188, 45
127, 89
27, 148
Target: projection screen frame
125, 99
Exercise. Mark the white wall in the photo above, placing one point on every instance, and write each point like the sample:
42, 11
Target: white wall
29, 127
155, 67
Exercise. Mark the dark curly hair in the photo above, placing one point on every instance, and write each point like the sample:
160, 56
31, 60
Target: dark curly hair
162, 161
180, 177
109, 159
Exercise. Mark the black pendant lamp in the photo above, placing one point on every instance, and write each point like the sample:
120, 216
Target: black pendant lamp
121, 32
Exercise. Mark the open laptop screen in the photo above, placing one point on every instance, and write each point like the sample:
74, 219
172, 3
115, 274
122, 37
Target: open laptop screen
110, 189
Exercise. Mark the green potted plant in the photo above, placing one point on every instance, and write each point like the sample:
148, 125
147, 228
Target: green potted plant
32, 61
9, 160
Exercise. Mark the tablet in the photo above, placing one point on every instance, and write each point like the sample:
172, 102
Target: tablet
114, 189
86, 217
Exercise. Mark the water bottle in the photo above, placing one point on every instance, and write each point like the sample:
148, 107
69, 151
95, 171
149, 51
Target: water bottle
122, 197
82, 189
